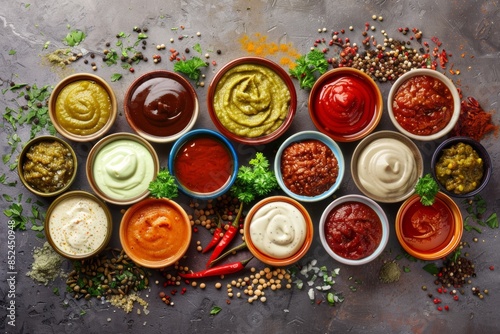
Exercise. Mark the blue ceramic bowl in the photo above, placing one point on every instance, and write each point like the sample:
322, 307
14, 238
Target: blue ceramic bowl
198, 164
310, 135
481, 151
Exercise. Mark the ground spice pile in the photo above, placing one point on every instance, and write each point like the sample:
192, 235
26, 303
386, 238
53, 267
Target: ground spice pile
258, 45
474, 121
46, 265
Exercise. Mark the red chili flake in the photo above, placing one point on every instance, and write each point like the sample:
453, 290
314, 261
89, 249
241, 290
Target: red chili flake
492, 268
342, 31
455, 297
445, 290
426, 44
446, 307
439, 308
131, 70
436, 40
443, 59
400, 29
183, 291
173, 292
195, 229
186, 281
440, 290
228, 301
437, 301
165, 284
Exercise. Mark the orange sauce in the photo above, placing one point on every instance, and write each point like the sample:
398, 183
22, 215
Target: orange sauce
156, 232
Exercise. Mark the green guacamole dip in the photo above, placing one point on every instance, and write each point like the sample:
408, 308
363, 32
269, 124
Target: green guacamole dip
251, 100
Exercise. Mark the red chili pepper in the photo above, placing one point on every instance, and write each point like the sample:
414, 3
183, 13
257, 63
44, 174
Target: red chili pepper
215, 239
227, 238
225, 269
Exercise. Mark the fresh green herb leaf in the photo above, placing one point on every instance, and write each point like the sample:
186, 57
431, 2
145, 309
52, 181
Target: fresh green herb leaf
190, 67
164, 186
74, 37
116, 77
254, 180
427, 188
215, 310
492, 221
330, 298
142, 36
12, 52
56, 291
46, 45
431, 268
37, 227
197, 47
309, 67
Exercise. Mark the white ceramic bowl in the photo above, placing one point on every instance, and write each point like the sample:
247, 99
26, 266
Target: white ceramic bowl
310, 135
380, 213
437, 75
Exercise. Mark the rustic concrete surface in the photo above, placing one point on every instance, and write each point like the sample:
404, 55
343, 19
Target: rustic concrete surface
468, 31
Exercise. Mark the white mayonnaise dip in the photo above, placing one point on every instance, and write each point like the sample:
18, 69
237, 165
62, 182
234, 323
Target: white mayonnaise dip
278, 229
387, 167
78, 226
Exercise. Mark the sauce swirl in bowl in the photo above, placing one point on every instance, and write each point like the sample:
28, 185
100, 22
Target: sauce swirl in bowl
429, 232
82, 107
161, 106
120, 168
278, 230
345, 104
155, 233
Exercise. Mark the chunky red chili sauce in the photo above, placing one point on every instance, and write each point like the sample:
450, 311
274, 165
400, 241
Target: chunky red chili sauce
161, 106
426, 228
309, 167
423, 105
345, 105
203, 165
353, 230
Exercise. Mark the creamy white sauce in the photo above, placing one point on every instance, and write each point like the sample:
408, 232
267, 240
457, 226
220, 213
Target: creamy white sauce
278, 229
387, 168
123, 169
78, 226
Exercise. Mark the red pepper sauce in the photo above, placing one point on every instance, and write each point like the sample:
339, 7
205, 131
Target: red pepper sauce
426, 228
161, 106
353, 230
345, 105
423, 105
203, 165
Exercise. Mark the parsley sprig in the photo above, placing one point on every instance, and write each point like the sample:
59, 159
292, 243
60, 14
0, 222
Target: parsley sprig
164, 185
254, 180
427, 188
191, 67
309, 67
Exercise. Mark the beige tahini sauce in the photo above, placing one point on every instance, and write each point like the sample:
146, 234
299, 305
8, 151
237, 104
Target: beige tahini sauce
278, 229
78, 226
387, 168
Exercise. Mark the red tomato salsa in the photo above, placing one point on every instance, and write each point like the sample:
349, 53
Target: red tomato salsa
423, 105
345, 105
353, 230
426, 228
203, 165
161, 106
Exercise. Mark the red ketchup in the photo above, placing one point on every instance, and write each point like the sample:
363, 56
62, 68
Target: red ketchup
353, 230
345, 105
426, 228
203, 165
161, 106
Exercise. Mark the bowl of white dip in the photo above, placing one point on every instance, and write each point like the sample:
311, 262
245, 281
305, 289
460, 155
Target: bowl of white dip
386, 166
78, 225
278, 231
120, 167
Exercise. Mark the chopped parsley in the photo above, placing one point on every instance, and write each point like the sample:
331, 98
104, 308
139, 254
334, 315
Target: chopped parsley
427, 188
308, 68
191, 67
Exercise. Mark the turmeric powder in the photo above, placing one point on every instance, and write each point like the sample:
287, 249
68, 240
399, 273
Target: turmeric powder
259, 46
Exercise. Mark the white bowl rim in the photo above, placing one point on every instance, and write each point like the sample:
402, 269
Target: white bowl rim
310, 134
383, 219
438, 75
